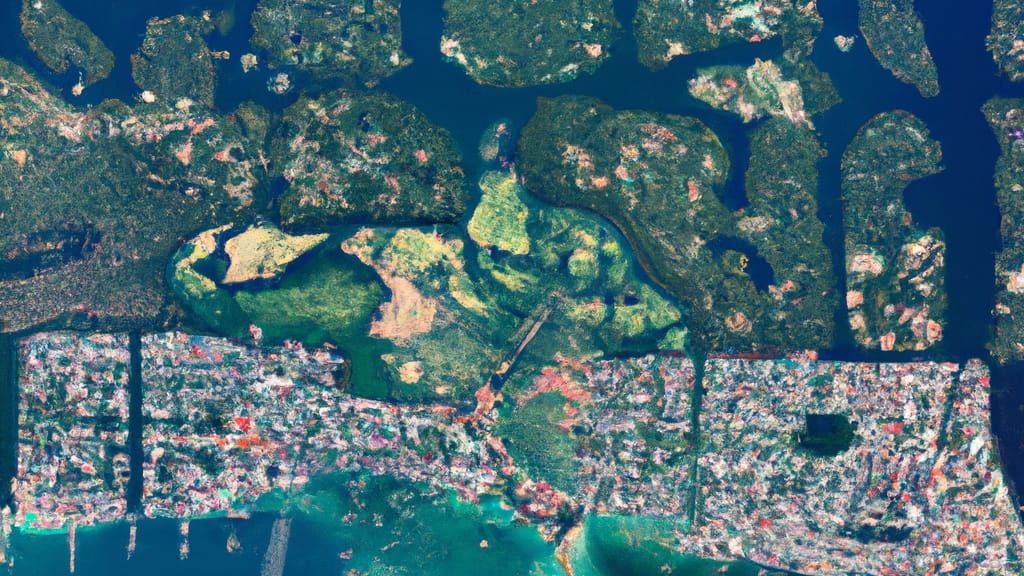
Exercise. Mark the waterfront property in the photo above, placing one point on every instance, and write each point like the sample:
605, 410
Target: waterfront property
817, 467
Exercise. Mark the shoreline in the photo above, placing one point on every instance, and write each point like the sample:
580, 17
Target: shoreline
253, 426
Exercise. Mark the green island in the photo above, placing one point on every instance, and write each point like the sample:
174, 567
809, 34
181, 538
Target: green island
894, 271
515, 43
666, 30
630, 167
176, 43
1006, 117
353, 157
1005, 40
356, 42
62, 41
895, 34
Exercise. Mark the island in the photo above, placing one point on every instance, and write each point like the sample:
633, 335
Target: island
659, 178
512, 43
894, 271
666, 30
1005, 40
356, 43
1006, 117
895, 34
62, 41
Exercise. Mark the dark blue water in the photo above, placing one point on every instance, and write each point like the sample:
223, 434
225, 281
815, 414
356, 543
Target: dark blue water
960, 200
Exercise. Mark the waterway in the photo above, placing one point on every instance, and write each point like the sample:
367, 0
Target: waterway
432, 535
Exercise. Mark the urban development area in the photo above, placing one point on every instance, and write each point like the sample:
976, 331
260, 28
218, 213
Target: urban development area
812, 466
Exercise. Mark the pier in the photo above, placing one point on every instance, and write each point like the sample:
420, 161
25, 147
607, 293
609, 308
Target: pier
277, 550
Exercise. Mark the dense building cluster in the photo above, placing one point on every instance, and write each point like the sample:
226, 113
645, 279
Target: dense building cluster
223, 424
816, 467
627, 423
72, 430
226, 424
918, 489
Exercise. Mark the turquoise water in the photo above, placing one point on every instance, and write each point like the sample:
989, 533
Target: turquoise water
423, 537
634, 546
399, 531
434, 535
